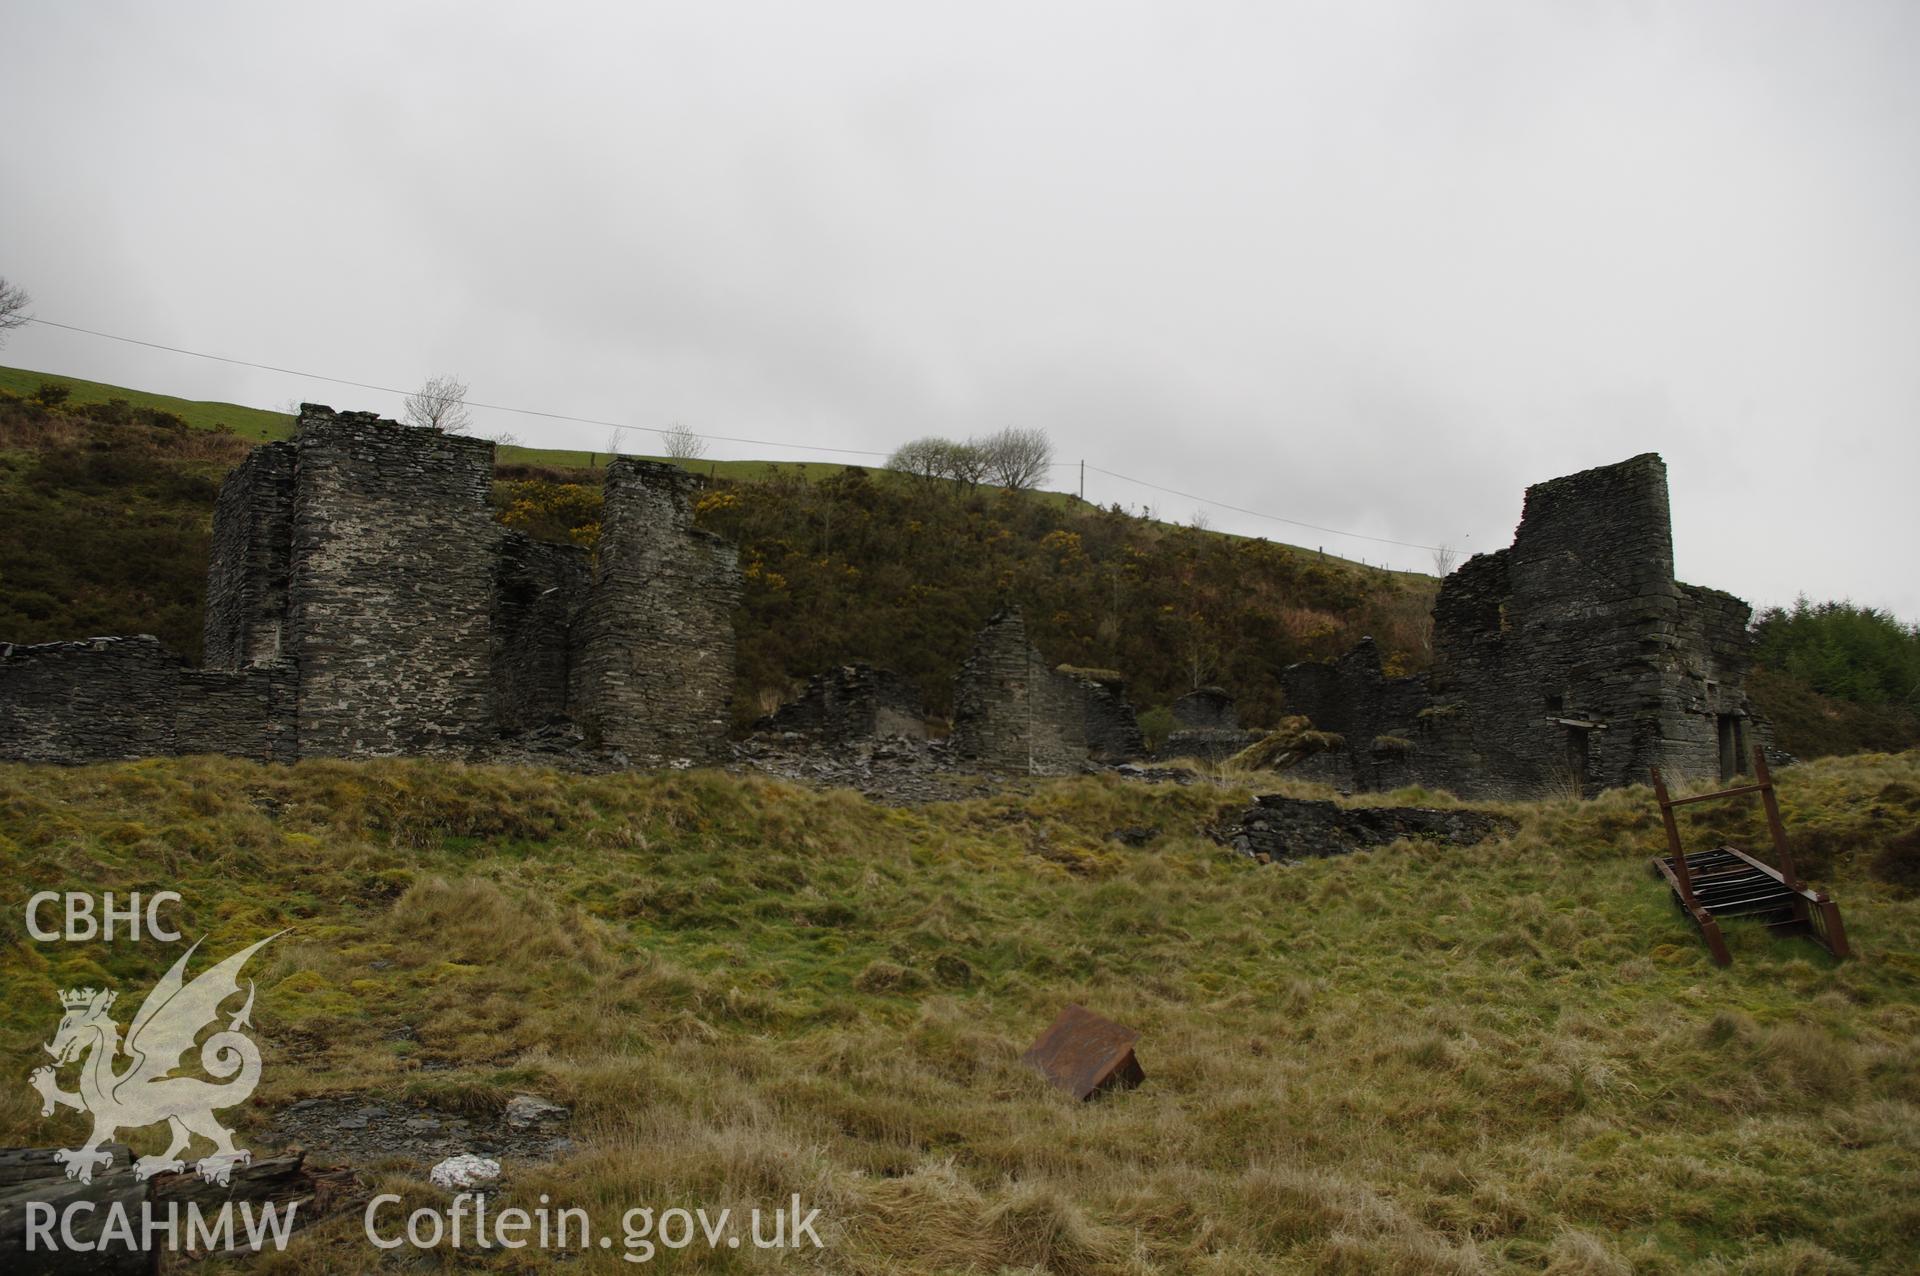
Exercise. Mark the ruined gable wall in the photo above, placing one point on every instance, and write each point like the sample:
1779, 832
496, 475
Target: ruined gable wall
653, 650
1592, 605
247, 573
392, 566
1011, 712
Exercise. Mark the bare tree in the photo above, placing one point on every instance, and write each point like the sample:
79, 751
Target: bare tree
933, 459
1017, 459
440, 404
922, 459
683, 444
13, 307
1444, 557
967, 464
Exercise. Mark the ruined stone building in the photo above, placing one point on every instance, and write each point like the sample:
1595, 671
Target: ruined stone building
362, 601
1571, 659
1206, 726
852, 702
1012, 711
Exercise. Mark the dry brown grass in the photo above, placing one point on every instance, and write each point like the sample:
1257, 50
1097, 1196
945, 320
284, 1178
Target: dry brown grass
1514, 1057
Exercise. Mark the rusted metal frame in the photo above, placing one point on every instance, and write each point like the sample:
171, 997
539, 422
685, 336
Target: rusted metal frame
1815, 908
1836, 931
1742, 791
1811, 910
1683, 881
1709, 928
1774, 826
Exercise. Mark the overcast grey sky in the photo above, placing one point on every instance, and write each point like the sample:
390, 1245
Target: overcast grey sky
1374, 266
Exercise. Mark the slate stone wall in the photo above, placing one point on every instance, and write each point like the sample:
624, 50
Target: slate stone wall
1572, 659
852, 702
1014, 712
539, 593
109, 699
393, 551
653, 650
249, 568
1206, 709
362, 601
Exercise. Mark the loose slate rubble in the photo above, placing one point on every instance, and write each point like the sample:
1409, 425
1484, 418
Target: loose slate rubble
31, 1176
360, 1129
1280, 829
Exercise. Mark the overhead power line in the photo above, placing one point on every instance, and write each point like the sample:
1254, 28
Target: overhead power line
1291, 522
716, 438
472, 403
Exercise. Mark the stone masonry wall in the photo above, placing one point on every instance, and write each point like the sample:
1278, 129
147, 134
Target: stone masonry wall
1110, 728
539, 592
1206, 709
393, 549
1013, 712
1374, 715
363, 601
109, 699
249, 568
852, 702
653, 650
1570, 660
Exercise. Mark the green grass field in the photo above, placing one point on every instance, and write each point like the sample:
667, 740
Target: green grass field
1510, 1058
250, 423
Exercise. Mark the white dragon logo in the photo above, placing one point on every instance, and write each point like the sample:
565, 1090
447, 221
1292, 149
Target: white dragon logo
162, 1031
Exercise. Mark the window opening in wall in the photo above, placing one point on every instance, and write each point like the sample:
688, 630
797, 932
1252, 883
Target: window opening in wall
1732, 731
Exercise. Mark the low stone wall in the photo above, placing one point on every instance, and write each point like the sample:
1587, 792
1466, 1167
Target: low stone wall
113, 699
852, 702
1206, 709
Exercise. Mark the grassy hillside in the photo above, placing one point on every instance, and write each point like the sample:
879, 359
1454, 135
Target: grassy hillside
249, 423
261, 425
113, 502
1510, 1058
109, 505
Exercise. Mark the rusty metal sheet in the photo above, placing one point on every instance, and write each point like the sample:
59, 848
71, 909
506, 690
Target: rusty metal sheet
1082, 1053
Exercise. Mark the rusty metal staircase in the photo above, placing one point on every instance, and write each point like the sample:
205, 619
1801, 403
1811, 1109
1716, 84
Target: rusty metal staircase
1730, 882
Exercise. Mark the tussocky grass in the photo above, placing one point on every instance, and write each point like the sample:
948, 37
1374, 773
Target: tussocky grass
1512, 1057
